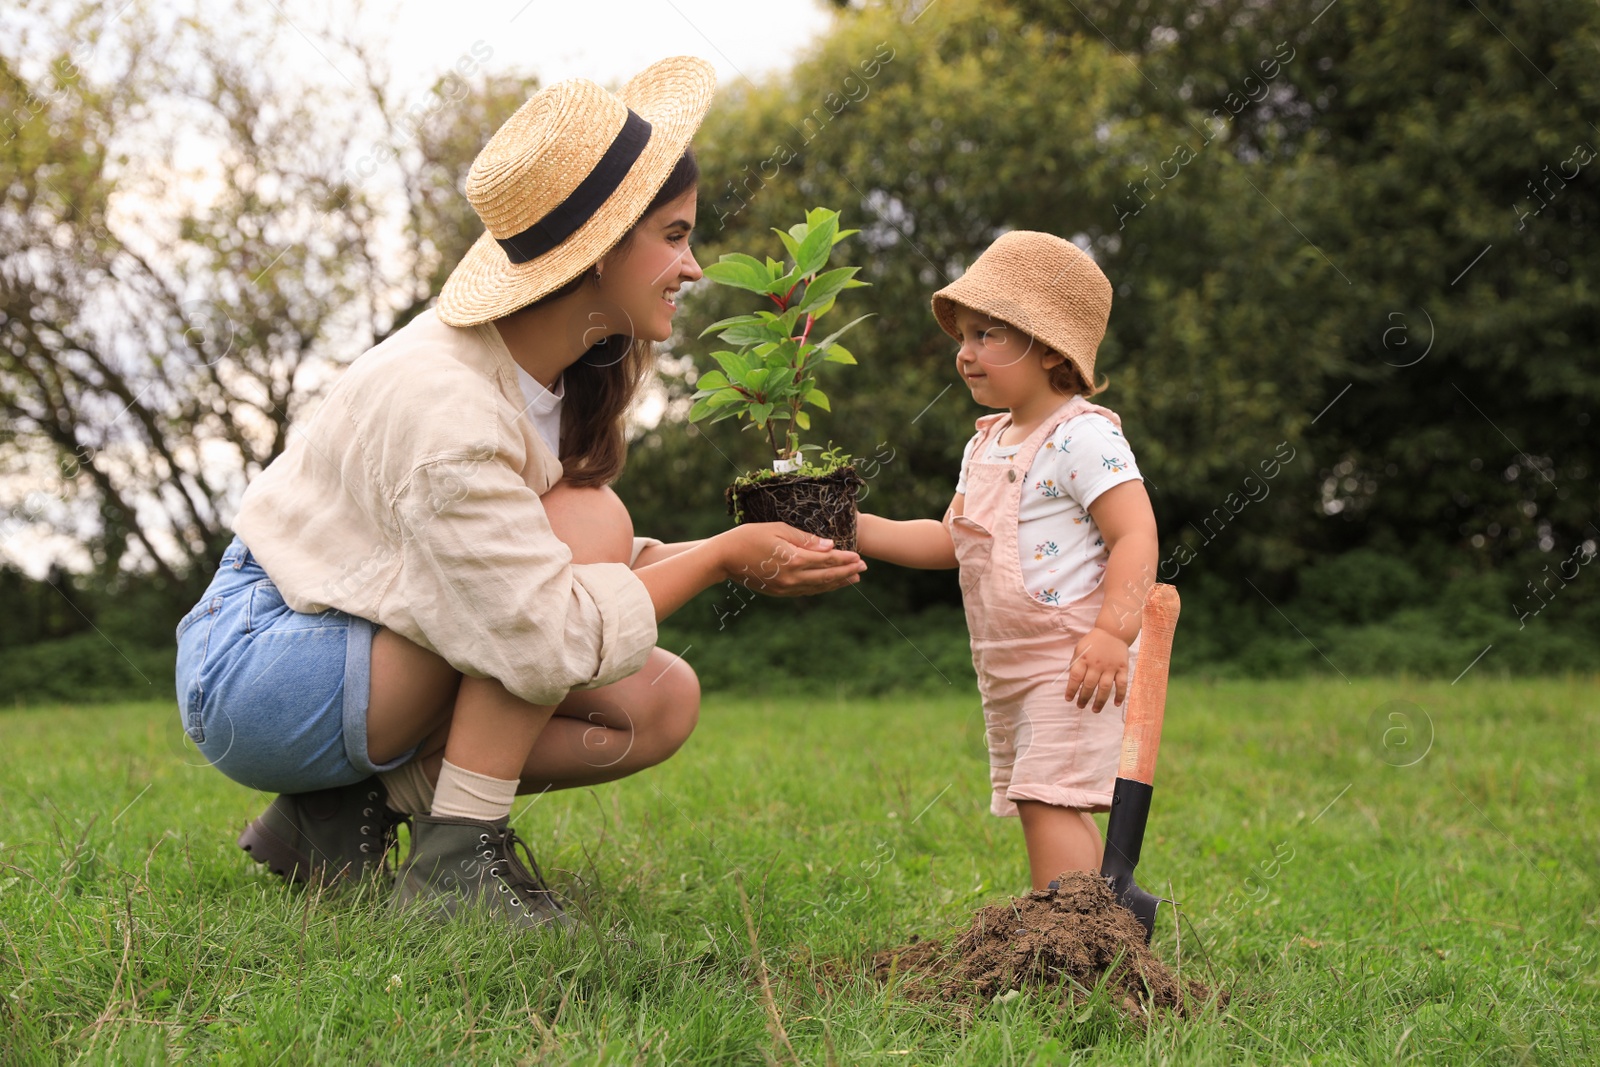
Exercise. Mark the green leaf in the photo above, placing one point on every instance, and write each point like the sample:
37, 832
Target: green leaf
737, 320
756, 378
723, 397
782, 285
787, 319
824, 287
781, 385
781, 356
701, 409
711, 381
819, 398
817, 246
736, 364
818, 215
836, 334
755, 333
759, 413
840, 354
802, 420
791, 244
842, 234
741, 272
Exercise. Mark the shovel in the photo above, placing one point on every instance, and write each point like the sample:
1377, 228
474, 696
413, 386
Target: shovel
1141, 738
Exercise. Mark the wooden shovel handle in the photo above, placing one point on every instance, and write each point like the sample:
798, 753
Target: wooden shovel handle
1147, 694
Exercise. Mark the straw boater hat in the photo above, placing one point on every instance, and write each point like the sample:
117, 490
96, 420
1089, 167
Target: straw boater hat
1045, 286
566, 176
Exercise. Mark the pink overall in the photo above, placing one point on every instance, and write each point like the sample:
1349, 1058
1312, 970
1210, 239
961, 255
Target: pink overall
1040, 746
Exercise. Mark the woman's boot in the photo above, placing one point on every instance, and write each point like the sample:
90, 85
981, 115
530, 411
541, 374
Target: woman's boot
340, 835
458, 863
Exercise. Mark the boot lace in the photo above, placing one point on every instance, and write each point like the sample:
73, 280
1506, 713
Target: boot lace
518, 875
380, 827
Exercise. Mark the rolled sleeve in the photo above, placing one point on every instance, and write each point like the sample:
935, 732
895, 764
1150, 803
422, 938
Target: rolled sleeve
639, 545
626, 618
486, 583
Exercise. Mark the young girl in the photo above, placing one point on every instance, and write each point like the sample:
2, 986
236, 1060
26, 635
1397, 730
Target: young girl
1052, 530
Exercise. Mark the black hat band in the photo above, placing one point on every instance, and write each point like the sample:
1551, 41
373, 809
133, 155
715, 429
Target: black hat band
579, 207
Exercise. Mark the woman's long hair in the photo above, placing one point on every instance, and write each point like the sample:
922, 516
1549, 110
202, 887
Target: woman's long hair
600, 387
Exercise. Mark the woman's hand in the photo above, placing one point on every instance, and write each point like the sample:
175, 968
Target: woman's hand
1099, 668
779, 560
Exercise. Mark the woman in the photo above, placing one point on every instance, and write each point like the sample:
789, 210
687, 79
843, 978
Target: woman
426, 611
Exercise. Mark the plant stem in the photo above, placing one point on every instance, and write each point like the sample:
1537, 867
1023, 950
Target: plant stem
773, 441
799, 352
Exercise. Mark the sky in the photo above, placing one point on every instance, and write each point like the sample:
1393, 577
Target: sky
603, 40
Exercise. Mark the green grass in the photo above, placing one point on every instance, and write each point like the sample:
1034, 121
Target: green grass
1442, 912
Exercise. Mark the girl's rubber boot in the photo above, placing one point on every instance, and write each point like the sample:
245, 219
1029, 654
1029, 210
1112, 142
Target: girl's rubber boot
335, 836
457, 864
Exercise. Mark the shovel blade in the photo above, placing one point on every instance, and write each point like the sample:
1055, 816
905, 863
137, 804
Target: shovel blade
1130, 810
1142, 904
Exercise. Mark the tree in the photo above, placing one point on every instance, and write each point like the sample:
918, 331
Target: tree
1404, 142
161, 331
1289, 199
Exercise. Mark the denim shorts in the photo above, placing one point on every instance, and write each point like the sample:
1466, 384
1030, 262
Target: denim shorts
273, 698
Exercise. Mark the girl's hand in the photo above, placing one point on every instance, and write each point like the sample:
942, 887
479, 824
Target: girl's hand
779, 560
1099, 668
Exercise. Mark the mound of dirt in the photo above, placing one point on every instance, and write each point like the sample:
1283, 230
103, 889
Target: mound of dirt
1073, 938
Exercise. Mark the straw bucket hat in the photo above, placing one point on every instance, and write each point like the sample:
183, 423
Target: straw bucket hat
1045, 286
565, 177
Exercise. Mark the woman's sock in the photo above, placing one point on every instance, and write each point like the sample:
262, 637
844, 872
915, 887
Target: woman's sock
464, 794
410, 792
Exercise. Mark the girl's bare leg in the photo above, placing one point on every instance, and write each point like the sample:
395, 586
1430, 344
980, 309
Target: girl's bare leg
1058, 839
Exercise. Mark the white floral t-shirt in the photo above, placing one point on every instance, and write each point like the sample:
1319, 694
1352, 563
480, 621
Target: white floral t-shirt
1059, 547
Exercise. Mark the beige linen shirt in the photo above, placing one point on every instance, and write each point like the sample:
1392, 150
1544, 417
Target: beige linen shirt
411, 498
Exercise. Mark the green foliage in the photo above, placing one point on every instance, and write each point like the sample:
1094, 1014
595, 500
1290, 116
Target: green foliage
825, 462
87, 666
772, 375
1361, 586
1312, 234
1357, 614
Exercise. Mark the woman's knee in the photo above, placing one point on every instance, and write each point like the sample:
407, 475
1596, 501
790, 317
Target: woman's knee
677, 710
687, 696
592, 521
